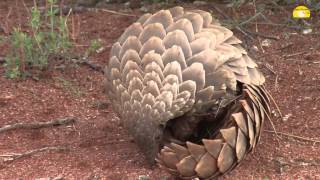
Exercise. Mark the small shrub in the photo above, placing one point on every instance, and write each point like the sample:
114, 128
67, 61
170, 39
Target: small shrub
46, 40
94, 46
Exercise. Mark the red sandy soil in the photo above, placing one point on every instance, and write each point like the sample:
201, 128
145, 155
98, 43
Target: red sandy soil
99, 148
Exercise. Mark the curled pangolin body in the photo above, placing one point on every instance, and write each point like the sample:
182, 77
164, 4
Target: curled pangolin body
187, 91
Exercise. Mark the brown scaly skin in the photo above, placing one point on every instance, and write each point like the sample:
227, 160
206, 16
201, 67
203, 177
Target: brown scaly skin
187, 91
219, 154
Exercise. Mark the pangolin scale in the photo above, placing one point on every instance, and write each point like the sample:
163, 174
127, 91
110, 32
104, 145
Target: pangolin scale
187, 91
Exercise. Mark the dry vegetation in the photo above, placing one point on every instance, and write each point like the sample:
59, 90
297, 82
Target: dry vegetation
55, 120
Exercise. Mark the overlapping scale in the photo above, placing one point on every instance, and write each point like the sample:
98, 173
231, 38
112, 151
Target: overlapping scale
214, 157
133, 43
178, 38
115, 50
206, 16
153, 44
176, 12
175, 64
134, 30
163, 17
196, 20
185, 25
152, 30
199, 45
174, 54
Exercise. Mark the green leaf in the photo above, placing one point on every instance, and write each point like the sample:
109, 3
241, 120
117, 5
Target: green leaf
55, 11
35, 18
265, 178
52, 2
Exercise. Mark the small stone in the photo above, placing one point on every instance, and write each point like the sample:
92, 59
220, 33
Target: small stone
266, 43
134, 4
255, 48
307, 31
274, 113
286, 117
307, 98
127, 5
94, 177
100, 50
58, 178
144, 9
287, 145
143, 177
199, 3
300, 72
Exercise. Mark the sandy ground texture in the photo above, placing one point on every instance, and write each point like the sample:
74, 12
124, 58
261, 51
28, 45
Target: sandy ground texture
97, 147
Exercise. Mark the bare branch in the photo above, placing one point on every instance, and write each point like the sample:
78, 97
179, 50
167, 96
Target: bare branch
294, 136
37, 125
294, 54
261, 35
118, 13
244, 31
15, 156
78, 9
86, 62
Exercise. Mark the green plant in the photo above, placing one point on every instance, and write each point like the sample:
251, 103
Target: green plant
46, 40
94, 46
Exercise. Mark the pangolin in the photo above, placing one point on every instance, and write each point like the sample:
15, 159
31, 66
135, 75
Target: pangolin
187, 91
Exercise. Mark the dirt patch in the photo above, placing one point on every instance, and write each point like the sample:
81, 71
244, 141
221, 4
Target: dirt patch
100, 147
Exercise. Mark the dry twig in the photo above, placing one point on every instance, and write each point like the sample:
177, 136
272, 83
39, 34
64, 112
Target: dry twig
256, 25
84, 61
294, 136
274, 102
294, 54
26, 8
250, 19
285, 46
37, 125
242, 29
236, 27
15, 156
75, 31
78, 9
93, 66
6, 24
262, 35
118, 13
281, 161
276, 83
273, 126
276, 51
270, 68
